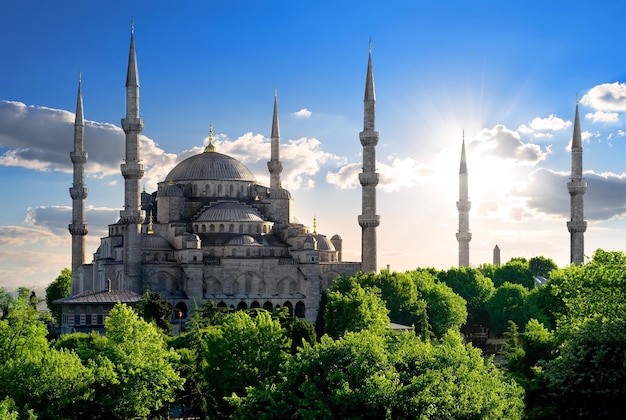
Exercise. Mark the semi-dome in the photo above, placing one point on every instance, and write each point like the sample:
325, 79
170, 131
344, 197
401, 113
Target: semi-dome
210, 166
323, 243
243, 240
170, 190
229, 212
153, 242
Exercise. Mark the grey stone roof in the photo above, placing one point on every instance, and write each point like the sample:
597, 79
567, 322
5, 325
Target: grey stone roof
210, 166
229, 212
152, 242
243, 240
323, 243
102, 297
170, 190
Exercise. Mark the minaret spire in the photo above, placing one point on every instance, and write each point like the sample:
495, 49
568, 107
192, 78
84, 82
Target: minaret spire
369, 220
577, 187
463, 236
275, 166
78, 228
132, 170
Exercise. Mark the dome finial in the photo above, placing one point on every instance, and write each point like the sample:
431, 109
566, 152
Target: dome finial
150, 230
210, 148
314, 225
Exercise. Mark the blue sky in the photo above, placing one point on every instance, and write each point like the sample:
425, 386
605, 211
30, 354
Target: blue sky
506, 74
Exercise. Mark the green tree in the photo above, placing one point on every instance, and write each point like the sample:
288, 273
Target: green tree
588, 378
365, 375
136, 367
58, 289
507, 304
153, 308
445, 309
515, 271
351, 307
239, 353
399, 293
22, 333
541, 266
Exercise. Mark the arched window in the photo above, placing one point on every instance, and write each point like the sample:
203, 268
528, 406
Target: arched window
289, 307
300, 309
222, 304
267, 306
232, 190
100, 316
234, 252
203, 228
211, 228
255, 304
221, 227
231, 228
242, 306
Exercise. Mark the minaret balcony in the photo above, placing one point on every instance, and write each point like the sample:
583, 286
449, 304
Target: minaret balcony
132, 124
78, 157
78, 228
132, 170
464, 206
463, 236
131, 217
368, 138
368, 178
577, 226
577, 187
78, 193
275, 166
366, 221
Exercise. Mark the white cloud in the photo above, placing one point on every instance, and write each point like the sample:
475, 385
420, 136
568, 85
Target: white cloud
303, 113
552, 122
503, 143
606, 97
601, 116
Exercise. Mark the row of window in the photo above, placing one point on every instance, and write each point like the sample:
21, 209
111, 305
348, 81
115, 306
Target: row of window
241, 227
299, 310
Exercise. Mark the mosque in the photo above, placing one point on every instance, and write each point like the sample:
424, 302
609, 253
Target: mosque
211, 231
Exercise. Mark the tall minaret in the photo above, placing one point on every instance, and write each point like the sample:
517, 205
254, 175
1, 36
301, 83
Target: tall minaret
132, 171
369, 220
463, 205
275, 166
577, 187
78, 228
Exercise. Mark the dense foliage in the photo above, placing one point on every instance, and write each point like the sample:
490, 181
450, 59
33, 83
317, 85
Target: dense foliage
564, 356
58, 289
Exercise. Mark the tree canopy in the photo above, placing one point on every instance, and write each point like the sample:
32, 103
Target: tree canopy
59, 288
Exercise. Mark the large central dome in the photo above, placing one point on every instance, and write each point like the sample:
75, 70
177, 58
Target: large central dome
210, 166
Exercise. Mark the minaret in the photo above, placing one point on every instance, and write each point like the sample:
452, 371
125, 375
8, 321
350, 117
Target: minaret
369, 220
275, 166
78, 228
463, 205
132, 171
577, 187
496, 255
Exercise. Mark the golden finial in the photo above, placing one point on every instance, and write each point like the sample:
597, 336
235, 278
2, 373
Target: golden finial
210, 148
314, 225
463, 131
150, 231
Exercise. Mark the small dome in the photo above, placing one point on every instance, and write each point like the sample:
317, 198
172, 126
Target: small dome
323, 244
243, 240
280, 193
152, 242
170, 190
229, 212
336, 237
210, 166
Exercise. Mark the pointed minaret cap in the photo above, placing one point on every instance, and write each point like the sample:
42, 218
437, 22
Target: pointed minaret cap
370, 92
576, 137
210, 148
275, 128
132, 75
79, 118
463, 166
